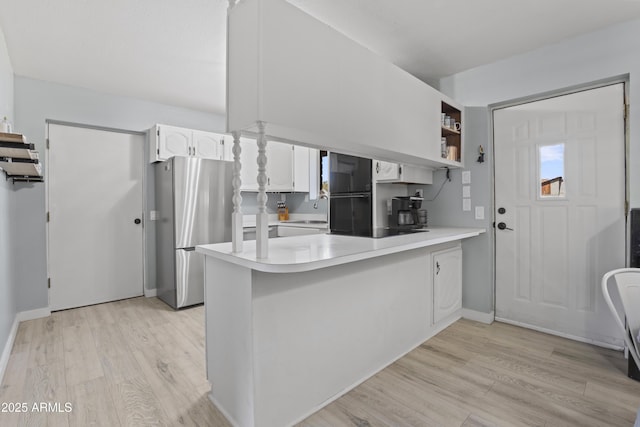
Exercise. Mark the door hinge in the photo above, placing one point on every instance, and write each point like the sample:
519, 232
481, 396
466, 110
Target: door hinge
48, 217
49, 282
626, 208
626, 111
47, 143
158, 132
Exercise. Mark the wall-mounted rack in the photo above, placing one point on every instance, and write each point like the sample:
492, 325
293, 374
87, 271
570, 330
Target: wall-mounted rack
18, 159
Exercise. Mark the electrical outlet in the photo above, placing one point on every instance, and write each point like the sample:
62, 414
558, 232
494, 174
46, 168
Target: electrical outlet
153, 215
420, 192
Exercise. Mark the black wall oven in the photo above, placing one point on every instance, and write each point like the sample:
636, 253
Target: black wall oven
350, 198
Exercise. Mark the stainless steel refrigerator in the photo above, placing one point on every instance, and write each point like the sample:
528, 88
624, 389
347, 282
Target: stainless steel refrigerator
194, 206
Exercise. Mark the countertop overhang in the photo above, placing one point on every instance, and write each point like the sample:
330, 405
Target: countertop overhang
311, 252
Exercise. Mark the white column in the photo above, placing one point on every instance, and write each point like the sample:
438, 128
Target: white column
236, 218
262, 219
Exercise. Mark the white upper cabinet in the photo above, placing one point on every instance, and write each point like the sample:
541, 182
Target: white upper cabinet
301, 171
401, 173
169, 141
279, 166
311, 84
386, 171
173, 142
207, 145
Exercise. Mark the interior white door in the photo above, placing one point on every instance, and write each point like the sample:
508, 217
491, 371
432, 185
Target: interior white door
560, 220
95, 195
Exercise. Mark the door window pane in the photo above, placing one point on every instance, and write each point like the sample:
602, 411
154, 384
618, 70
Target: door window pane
552, 171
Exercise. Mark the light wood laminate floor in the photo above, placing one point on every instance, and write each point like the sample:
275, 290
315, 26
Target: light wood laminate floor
138, 362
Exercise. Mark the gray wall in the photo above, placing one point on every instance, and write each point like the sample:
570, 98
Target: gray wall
446, 210
7, 238
35, 102
597, 56
604, 54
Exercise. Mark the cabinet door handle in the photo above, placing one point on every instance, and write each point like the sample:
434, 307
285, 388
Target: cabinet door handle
437, 268
268, 181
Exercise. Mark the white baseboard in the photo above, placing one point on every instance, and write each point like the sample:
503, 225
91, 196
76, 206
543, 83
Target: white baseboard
150, 293
478, 316
559, 334
8, 346
33, 314
4, 360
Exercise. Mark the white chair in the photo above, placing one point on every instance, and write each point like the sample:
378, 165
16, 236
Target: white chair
627, 282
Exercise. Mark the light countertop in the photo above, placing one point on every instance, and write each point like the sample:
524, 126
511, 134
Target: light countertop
312, 252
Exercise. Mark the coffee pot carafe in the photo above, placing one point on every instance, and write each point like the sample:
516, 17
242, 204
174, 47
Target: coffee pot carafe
404, 212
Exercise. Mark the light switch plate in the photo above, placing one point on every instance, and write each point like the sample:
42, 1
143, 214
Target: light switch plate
479, 212
466, 191
466, 204
466, 177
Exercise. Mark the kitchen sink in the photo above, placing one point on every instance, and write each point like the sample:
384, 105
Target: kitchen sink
305, 221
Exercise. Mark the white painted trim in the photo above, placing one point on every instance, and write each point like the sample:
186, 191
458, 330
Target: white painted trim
478, 316
560, 334
8, 346
220, 408
33, 314
4, 360
150, 293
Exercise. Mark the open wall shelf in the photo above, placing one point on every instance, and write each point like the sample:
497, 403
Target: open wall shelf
18, 159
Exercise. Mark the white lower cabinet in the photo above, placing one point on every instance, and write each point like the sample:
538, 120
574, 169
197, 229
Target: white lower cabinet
447, 282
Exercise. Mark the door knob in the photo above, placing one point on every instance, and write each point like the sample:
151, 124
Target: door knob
502, 211
137, 221
503, 226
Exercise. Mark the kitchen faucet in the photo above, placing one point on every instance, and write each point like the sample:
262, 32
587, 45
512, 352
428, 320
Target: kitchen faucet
323, 195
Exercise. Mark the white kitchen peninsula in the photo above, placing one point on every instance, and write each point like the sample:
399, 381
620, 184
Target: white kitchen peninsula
288, 334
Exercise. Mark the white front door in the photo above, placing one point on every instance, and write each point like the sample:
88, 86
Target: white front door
95, 196
560, 220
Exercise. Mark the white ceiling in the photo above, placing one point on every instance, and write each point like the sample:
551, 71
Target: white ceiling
173, 51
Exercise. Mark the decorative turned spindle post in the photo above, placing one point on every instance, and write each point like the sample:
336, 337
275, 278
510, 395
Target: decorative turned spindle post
262, 219
236, 218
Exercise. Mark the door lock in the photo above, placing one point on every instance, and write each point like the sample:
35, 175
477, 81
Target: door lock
503, 226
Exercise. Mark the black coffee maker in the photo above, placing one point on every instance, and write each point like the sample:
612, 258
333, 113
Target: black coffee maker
404, 212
